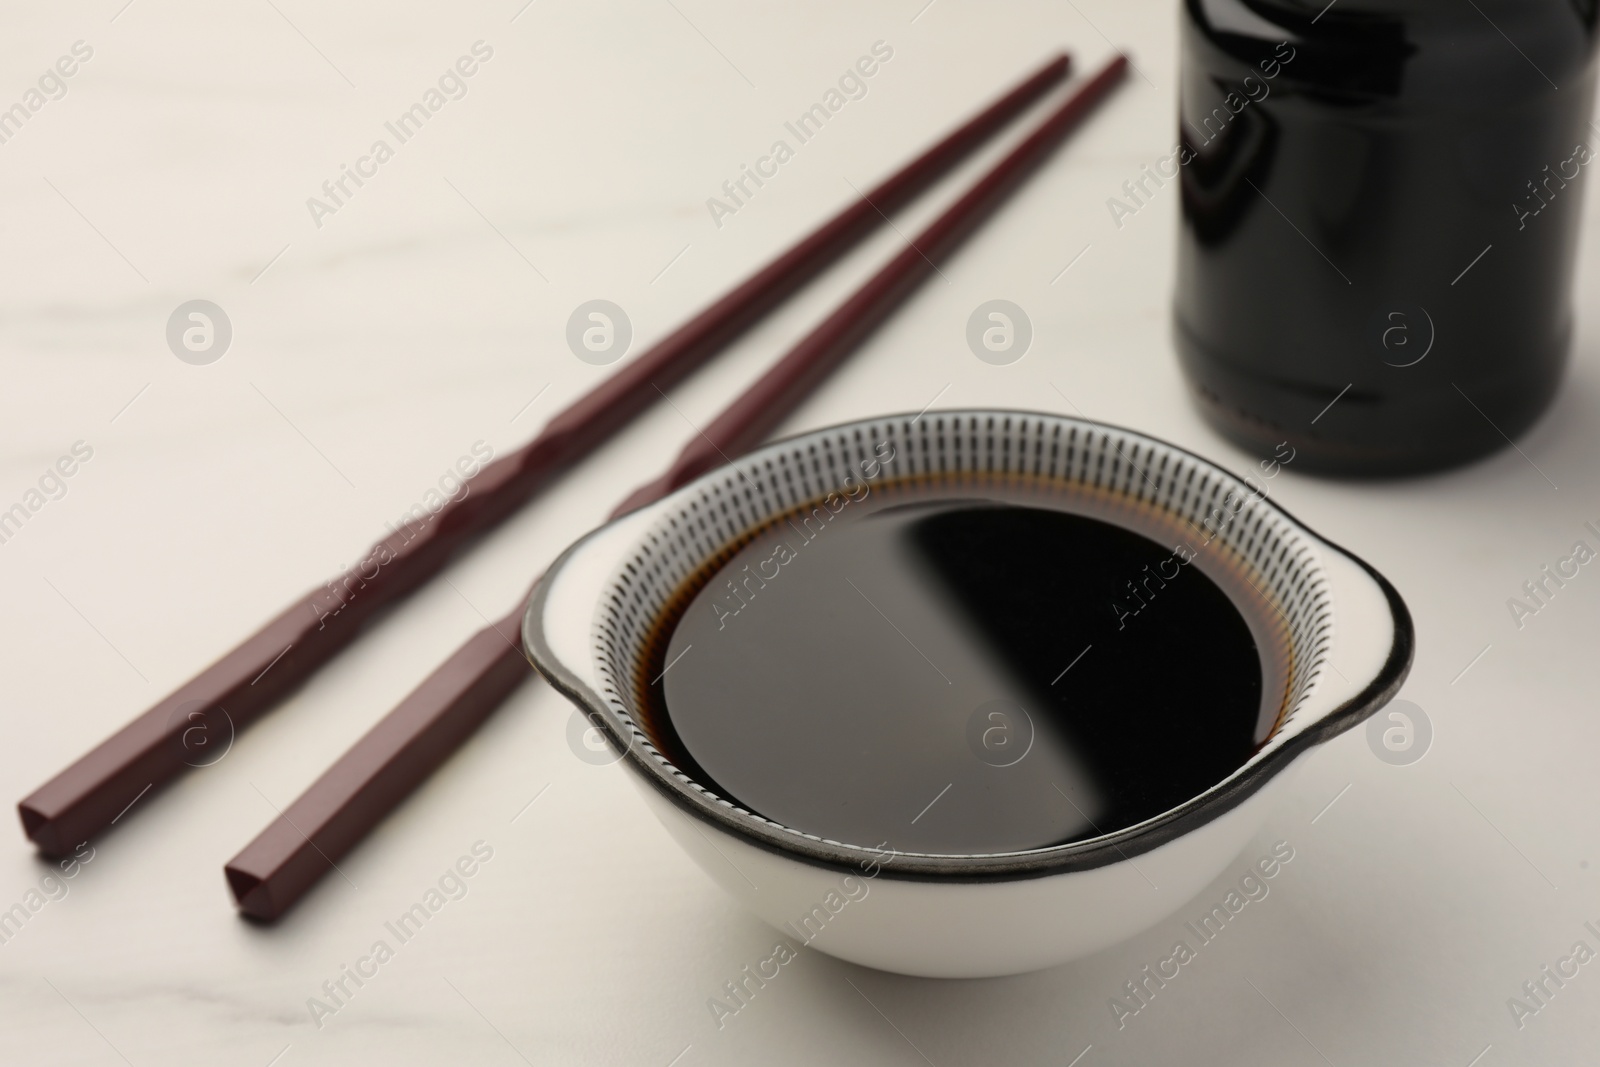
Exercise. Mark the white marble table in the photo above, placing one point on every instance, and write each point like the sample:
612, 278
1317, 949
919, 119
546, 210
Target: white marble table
374, 344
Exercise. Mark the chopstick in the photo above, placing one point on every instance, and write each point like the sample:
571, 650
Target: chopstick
369, 780
263, 669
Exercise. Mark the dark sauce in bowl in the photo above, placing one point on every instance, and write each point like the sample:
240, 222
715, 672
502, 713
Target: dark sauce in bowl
962, 675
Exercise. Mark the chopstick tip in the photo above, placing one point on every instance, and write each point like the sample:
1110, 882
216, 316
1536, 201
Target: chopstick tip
250, 893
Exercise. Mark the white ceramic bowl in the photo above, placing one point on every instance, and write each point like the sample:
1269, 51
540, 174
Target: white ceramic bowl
1347, 630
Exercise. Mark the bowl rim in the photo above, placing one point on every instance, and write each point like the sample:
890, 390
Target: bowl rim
1087, 853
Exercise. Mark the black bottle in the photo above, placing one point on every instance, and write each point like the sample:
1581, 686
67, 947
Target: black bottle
1380, 215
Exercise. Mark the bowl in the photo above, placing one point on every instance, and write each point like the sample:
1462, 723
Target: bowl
1346, 633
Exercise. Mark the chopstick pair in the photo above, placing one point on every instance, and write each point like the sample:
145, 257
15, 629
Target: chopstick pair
413, 739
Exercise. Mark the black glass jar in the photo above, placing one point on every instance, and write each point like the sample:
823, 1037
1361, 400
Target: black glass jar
1381, 202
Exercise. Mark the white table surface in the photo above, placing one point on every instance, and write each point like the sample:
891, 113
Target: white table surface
372, 351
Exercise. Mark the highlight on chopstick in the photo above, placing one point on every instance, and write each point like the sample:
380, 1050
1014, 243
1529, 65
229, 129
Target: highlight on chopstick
304, 842
256, 675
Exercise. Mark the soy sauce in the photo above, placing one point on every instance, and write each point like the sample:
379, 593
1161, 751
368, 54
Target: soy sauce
1381, 209
960, 676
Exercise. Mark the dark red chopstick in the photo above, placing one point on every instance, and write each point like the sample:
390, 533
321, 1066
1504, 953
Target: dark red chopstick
368, 781
248, 681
